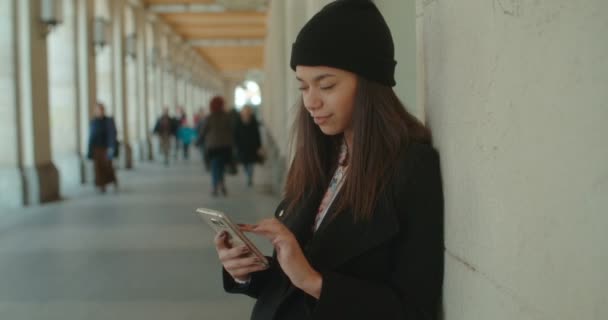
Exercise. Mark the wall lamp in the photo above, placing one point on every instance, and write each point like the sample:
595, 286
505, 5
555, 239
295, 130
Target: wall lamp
51, 14
101, 32
131, 45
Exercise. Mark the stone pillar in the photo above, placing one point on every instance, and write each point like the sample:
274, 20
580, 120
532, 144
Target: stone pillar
132, 119
294, 21
86, 84
63, 98
229, 87
144, 128
39, 177
274, 108
121, 106
11, 182
104, 75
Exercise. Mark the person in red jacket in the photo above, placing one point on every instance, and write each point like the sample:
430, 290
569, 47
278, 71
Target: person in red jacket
359, 233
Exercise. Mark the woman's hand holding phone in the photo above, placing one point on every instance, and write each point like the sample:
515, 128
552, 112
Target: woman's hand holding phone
239, 261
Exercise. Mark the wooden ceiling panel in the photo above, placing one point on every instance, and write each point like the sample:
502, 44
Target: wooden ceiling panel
153, 2
225, 25
215, 19
229, 59
226, 32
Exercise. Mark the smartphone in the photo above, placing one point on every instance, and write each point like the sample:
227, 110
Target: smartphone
219, 221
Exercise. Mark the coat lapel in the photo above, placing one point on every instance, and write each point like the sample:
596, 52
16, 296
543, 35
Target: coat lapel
340, 239
300, 221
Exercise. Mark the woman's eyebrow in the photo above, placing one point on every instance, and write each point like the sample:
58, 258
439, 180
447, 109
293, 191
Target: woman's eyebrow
318, 78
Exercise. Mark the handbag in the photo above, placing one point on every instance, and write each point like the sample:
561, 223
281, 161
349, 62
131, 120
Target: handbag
116, 150
261, 155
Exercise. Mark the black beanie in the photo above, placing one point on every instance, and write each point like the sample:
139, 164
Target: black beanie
349, 35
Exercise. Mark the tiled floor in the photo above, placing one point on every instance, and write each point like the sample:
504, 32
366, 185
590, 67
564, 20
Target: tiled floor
139, 254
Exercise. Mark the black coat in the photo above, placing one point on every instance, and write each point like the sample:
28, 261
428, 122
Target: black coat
390, 267
247, 138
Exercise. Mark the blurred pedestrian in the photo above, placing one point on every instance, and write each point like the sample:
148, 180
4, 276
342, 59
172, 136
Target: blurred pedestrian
179, 121
201, 119
247, 139
164, 129
102, 148
218, 139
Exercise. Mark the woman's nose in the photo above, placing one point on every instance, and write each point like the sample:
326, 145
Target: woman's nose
312, 101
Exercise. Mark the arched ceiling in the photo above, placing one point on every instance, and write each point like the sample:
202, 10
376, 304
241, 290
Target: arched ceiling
229, 34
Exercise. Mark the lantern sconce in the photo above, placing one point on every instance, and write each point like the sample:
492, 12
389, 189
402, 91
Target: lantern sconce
154, 57
131, 45
51, 15
101, 31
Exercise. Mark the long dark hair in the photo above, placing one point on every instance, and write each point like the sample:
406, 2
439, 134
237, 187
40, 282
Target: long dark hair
382, 128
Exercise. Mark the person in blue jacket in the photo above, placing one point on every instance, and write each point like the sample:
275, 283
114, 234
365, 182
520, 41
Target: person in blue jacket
102, 148
359, 233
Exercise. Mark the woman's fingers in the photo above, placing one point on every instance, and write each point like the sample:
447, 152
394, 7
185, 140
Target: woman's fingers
233, 253
246, 227
269, 228
246, 271
220, 241
245, 262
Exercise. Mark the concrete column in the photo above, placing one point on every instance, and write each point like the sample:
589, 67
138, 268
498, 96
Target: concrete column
228, 92
294, 21
192, 99
274, 108
313, 6
11, 182
121, 107
40, 179
401, 19
516, 98
144, 129
131, 85
63, 98
86, 84
104, 76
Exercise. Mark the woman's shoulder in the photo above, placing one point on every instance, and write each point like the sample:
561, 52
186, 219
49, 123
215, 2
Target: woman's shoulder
415, 159
416, 152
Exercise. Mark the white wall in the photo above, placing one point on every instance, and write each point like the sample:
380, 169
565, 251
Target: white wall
401, 18
516, 98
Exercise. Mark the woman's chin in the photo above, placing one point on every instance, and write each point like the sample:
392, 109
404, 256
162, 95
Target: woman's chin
329, 131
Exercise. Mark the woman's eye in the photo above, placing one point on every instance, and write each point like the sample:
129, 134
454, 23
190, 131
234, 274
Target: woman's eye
302, 88
328, 87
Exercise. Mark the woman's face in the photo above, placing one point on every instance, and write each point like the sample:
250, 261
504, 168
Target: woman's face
328, 96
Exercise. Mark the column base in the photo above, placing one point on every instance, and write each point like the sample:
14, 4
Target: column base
155, 148
11, 188
150, 149
87, 171
41, 184
70, 172
126, 155
144, 150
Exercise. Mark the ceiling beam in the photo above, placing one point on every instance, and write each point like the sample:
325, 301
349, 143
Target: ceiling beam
226, 42
216, 18
220, 32
194, 8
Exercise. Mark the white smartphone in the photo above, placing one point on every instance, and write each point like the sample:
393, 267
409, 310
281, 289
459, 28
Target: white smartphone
219, 221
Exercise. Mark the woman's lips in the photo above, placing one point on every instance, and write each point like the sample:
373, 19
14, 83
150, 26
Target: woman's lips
321, 120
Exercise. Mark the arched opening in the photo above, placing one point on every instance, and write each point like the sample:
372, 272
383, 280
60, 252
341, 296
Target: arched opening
248, 93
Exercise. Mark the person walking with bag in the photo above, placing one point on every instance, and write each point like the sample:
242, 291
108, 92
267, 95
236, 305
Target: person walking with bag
102, 148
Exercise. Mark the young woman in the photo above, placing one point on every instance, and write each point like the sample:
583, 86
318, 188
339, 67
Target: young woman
359, 234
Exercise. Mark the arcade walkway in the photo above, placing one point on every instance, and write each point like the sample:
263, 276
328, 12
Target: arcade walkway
138, 254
